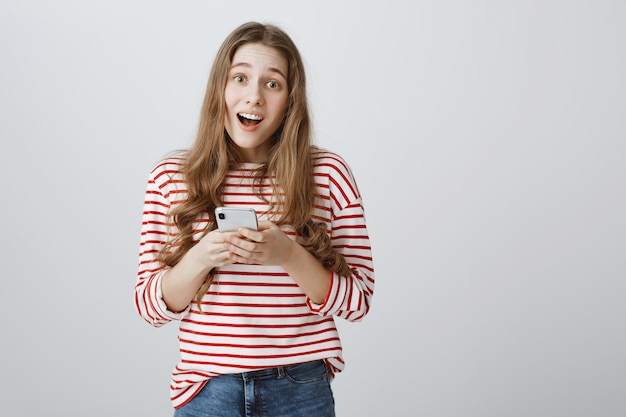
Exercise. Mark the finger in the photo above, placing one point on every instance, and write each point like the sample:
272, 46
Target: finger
264, 225
248, 235
242, 259
216, 236
238, 249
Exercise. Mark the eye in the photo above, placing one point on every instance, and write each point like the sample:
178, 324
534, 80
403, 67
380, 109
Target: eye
239, 78
273, 84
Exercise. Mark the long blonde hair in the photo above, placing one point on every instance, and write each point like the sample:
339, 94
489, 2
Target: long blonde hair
290, 160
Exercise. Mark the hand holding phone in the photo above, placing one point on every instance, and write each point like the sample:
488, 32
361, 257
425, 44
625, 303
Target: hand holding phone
229, 219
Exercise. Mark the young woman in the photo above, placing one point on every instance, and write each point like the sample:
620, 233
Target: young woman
256, 307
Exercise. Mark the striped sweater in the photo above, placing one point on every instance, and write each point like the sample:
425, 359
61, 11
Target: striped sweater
256, 316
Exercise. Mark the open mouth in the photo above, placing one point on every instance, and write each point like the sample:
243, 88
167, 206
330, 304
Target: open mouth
248, 119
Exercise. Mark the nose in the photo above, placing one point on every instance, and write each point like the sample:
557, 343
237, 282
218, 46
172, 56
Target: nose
253, 96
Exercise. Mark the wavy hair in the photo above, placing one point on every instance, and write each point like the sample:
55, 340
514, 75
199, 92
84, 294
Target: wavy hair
290, 162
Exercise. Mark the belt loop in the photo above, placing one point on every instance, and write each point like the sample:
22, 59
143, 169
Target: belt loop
281, 372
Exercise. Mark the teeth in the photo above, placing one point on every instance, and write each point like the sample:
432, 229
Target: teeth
250, 116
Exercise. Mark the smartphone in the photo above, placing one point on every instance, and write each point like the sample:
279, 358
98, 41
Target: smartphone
230, 219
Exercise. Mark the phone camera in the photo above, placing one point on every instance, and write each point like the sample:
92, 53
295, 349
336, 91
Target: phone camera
221, 216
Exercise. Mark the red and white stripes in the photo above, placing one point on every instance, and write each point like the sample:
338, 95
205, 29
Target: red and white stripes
256, 316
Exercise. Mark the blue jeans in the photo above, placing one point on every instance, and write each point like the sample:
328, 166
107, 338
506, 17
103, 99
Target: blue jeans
301, 390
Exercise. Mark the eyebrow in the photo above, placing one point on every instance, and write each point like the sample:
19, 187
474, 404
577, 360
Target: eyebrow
271, 69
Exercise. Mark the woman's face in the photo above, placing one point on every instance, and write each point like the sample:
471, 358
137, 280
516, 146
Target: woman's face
256, 99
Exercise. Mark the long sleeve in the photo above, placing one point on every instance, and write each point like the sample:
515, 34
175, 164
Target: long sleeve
348, 297
154, 230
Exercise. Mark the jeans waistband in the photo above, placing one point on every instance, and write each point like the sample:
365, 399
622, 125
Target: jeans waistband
278, 371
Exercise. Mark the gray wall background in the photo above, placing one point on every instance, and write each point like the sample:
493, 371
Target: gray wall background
488, 139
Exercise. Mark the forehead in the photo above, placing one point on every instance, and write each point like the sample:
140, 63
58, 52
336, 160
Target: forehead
260, 57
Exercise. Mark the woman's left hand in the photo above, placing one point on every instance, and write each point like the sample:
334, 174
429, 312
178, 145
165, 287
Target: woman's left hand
267, 246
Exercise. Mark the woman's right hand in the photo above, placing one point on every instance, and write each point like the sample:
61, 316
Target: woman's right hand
210, 251
180, 283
